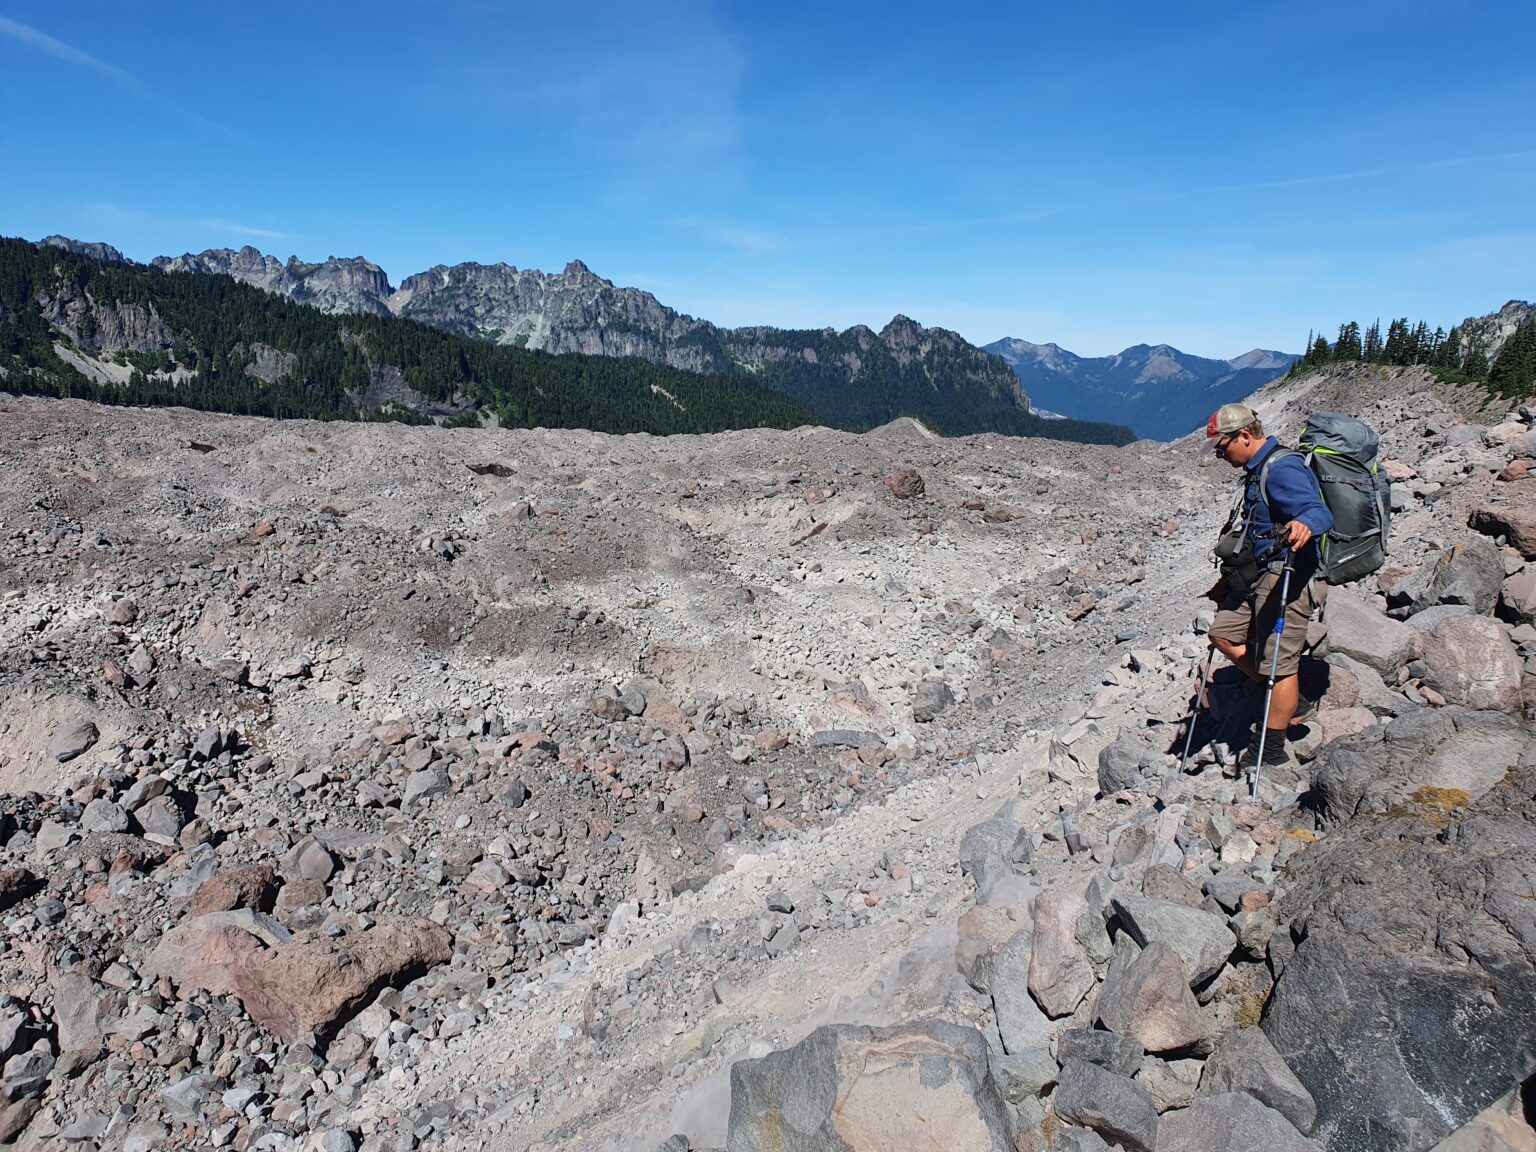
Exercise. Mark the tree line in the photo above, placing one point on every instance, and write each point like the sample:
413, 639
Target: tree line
1452, 355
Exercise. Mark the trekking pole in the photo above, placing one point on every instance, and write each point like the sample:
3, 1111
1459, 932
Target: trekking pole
1194, 713
1274, 666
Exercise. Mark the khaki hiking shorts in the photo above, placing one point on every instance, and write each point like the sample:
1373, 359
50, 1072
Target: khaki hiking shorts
1244, 619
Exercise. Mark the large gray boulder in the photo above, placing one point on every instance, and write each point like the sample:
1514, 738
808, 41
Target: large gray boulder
848, 1086
1245, 1061
1202, 939
1120, 763
1231, 1122
1004, 975
994, 853
1149, 1000
1359, 631
1109, 1050
1471, 661
1469, 573
72, 739
1115, 1107
1407, 1006
1448, 751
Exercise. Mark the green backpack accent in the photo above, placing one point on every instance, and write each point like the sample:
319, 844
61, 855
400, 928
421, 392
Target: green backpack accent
1342, 453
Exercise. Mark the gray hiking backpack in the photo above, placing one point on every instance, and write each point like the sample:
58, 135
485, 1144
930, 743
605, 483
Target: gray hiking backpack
1342, 451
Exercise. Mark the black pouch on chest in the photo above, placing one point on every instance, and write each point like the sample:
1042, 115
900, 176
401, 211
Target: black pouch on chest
1234, 552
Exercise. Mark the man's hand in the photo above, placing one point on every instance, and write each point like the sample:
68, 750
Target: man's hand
1297, 535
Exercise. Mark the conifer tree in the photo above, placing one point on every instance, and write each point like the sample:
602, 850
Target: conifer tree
1371, 349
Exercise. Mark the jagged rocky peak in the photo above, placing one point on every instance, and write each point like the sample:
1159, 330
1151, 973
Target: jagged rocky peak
95, 249
336, 284
1488, 334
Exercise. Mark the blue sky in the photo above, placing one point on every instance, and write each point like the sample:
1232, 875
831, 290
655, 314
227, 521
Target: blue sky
1217, 176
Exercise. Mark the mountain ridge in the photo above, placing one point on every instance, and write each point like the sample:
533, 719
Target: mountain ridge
1159, 390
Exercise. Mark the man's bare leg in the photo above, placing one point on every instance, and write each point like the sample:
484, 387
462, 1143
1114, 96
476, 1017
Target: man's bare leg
1284, 701
1238, 655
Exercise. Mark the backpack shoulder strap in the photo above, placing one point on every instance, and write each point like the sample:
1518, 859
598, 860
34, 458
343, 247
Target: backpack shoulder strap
1305, 456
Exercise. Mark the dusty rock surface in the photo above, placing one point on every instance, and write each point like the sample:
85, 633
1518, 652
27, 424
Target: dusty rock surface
526, 790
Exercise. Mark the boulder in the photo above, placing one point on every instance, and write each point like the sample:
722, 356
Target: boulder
1471, 661
1202, 939
236, 886
1245, 1061
1004, 975
1516, 524
1120, 763
1406, 1008
72, 739
1468, 573
1109, 1050
1444, 756
1060, 974
1115, 1107
294, 985
101, 815
931, 698
848, 1086
1359, 631
1150, 1001
1020, 1075
1231, 1122
82, 1009
992, 852
904, 484
1169, 1083
1518, 596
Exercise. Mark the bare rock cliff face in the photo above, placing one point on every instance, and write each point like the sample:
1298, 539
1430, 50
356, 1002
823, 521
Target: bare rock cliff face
105, 328
93, 249
334, 285
1488, 334
574, 311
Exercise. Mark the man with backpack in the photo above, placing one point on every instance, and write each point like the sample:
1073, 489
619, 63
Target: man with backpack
1281, 510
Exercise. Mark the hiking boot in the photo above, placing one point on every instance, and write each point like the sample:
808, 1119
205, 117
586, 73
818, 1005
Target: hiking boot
1276, 754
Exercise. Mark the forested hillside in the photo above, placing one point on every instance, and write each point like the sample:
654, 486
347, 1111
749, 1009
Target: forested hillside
1474, 351
208, 342
73, 325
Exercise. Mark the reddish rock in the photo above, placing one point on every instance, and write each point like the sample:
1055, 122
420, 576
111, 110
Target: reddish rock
294, 985
314, 982
236, 886
1515, 470
905, 484
1517, 525
392, 732
1003, 514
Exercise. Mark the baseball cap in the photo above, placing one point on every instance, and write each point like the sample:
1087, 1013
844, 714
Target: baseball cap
1227, 420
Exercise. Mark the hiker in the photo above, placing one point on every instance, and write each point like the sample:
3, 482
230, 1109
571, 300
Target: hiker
1281, 508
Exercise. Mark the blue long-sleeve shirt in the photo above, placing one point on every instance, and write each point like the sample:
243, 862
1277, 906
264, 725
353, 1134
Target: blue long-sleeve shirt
1293, 495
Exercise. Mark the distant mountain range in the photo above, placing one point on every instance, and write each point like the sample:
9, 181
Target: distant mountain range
244, 332
858, 378
1161, 392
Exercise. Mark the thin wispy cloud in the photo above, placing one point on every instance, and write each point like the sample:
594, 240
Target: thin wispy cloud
118, 215
747, 241
1373, 173
59, 50
217, 224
